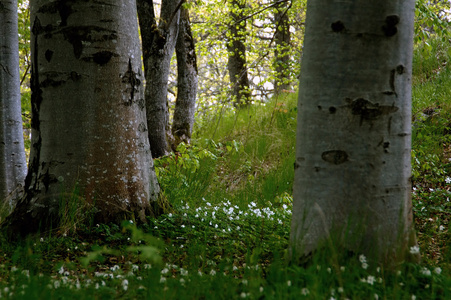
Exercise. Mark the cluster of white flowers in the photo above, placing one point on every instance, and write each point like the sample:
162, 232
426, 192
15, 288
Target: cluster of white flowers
362, 260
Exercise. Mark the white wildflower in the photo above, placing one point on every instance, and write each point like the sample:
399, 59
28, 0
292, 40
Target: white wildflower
115, 268
362, 258
370, 280
183, 272
426, 272
438, 270
415, 250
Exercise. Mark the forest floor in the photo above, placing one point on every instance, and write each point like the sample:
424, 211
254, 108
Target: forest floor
226, 234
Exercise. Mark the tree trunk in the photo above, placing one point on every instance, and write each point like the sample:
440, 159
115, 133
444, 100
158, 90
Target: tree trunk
89, 135
185, 104
147, 26
13, 165
352, 170
282, 39
237, 54
158, 66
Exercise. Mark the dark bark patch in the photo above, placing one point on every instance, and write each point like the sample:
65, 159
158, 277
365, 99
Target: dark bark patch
103, 57
386, 145
389, 28
335, 157
74, 76
37, 27
400, 69
36, 100
332, 110
76, 35
319, 107
45, 177
141, 103
369, 111
52, 79
131, 78
48, 31
48, 55
142, 127
298, 162
337, 26
63, 7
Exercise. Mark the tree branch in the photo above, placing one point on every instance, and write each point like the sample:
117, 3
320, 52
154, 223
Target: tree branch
174, 13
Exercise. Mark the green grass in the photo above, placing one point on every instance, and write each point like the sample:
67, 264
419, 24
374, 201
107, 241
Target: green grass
227, 234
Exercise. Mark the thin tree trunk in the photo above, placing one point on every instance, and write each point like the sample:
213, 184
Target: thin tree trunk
352, 170
237, 54
13, 165
147, 26
89, 133
282, 39
185, 104
158, 66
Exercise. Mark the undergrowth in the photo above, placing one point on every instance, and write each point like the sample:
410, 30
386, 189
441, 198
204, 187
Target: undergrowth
227, 235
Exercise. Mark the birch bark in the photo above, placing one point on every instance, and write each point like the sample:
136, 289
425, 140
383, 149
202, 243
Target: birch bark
352, 169
89, 131
13, 165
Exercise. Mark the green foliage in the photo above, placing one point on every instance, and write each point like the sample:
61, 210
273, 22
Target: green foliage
210, 23
431, 140
429, 61
431, 111
25, 66
142, 246
187, 173
430, 19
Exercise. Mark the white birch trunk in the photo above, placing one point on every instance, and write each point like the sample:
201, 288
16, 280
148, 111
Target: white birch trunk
13, 165
89, 131
352, 170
